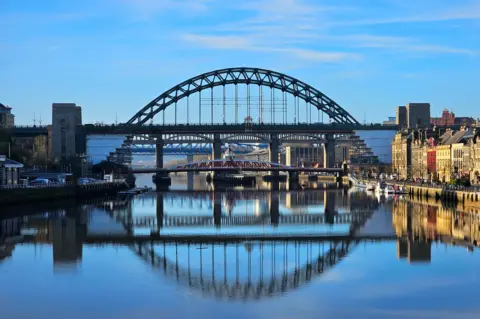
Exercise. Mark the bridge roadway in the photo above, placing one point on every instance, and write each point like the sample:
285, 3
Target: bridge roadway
123, 129
181, 221
158, 238
134, 129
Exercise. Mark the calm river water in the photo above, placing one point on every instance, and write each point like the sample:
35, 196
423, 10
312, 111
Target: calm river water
365, 257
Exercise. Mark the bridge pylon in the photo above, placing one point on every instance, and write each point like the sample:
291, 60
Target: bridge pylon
161, 179
329, 151
217, 147
273, 150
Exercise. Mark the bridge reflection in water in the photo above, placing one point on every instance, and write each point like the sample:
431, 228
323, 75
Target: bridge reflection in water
193, 212
243, 271
240, 268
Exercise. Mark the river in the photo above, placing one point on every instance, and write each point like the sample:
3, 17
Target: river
365, 257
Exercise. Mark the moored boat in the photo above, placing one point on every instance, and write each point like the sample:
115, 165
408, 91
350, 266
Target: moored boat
389, 189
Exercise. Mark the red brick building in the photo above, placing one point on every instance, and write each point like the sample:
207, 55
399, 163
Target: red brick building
431, 156
447, 119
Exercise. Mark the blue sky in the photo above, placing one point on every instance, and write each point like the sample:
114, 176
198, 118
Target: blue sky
114, 56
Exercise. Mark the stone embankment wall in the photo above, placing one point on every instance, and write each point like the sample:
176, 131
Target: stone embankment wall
448, 195
26, 195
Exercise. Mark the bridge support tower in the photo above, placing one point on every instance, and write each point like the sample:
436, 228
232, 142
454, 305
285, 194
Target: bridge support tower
159, 211
274, 208
217, 147
329, 151
161, 179
217, 208
190, 175
159, 151
329, 205
273, 151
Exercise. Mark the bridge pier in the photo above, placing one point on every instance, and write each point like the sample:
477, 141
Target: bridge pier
217, 208
329, 151
161, 179
217, 147
274, 208
190, 174
159, 211
329, 205
273, 151
159, 151
293, 177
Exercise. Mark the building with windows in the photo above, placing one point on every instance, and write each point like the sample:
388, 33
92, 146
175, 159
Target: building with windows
418, 115
66, 131
446, 120
303, 155
464, 121
7, 119
475, 159
391, 121
431, 162
401, 118
457, 159
9, 171
419, 159
402, 155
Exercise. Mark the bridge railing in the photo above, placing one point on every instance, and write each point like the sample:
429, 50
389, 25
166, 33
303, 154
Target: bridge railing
338, 126
31, 126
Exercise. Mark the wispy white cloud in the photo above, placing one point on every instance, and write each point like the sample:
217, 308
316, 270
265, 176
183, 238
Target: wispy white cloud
287, 25
400, 44
454, 11
218, 42
252, 44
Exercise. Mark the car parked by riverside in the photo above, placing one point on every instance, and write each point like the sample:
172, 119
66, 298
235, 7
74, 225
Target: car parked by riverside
39, 182
86, 180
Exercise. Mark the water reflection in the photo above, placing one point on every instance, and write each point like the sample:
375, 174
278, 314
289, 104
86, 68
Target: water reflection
243, 271
238, 245
428, 220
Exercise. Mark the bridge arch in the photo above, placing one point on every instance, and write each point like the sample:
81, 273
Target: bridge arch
301, 137
245, 138
265, 284
248, 76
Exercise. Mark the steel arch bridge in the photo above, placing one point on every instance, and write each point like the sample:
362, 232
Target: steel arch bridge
262, 78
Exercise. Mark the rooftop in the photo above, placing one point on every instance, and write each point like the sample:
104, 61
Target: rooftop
449, 137
4, 107
11, 163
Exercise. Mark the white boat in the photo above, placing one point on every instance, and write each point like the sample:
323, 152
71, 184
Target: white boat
370, 187
400, 190
389, 189
361, 185
380, 188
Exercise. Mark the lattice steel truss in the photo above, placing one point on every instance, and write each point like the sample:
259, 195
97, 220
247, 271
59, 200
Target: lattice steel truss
249, 76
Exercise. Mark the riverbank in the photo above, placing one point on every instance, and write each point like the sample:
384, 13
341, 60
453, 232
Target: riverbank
447, 194
14, 196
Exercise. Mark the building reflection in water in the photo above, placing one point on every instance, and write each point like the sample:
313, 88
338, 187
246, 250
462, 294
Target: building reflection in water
418, 222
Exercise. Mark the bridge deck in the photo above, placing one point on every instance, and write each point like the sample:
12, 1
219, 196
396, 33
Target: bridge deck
130, 239
232, 128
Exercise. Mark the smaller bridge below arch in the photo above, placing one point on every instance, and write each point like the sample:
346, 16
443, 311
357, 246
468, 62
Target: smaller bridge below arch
233, 165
